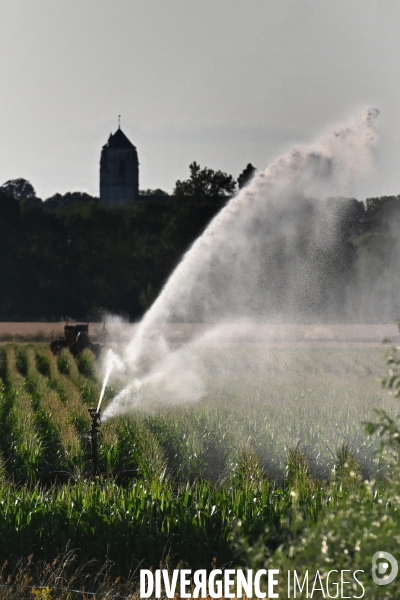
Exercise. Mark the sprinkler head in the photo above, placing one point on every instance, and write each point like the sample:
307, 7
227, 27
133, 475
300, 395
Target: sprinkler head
95, 416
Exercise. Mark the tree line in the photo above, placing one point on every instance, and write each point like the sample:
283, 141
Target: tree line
69, 256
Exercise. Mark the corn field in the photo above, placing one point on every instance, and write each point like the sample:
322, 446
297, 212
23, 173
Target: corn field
199, 473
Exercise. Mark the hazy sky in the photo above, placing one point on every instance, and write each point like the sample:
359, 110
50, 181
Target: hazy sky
222, 82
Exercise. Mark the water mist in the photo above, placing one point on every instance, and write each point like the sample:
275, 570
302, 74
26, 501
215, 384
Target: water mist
111, 363
266, 258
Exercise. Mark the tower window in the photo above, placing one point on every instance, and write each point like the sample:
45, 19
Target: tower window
121, 168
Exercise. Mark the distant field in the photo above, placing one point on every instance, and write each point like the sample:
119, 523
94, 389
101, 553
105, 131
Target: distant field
36, 331
293, 332
242, 333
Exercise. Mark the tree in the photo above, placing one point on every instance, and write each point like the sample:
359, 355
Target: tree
246, 175
20, 189
194, 203
156, 192
205, 183
68, 200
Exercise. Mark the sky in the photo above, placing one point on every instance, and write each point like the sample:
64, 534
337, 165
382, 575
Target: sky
219, 82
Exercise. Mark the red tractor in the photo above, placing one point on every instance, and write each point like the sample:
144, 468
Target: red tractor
76, 339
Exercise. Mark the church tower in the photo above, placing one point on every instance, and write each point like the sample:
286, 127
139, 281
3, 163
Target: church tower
119, 171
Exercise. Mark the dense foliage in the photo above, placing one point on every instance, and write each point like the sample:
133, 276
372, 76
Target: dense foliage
69, 256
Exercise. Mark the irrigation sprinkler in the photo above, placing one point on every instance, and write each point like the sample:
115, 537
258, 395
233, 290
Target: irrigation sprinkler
94, 433
118, 476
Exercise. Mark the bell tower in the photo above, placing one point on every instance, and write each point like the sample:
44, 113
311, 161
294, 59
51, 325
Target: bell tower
119, 171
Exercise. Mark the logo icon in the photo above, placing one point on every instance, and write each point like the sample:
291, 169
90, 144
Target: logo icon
380, 566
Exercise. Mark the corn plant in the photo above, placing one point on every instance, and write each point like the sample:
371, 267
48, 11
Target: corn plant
53, 416
26, 443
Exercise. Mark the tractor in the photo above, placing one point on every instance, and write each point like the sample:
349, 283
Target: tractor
76, 339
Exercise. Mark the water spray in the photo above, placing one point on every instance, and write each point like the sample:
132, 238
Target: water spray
269, 256
112, 361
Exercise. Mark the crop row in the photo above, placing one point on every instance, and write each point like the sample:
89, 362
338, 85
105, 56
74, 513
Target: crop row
154, 519
201, 473
44, 420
